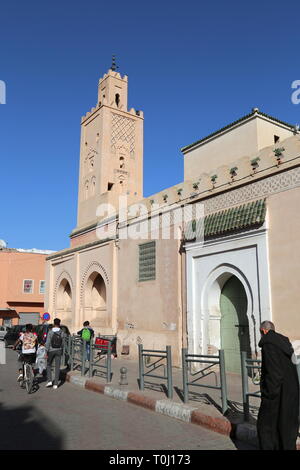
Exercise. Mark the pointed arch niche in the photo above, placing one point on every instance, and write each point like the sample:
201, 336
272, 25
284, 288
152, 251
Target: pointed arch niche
95, 302
64, 302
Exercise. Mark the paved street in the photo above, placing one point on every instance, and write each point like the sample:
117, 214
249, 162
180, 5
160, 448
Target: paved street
74, 418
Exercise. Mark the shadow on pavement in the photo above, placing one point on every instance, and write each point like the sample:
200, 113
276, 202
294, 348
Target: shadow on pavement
25, 428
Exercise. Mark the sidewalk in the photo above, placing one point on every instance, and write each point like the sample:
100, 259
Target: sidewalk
203, 407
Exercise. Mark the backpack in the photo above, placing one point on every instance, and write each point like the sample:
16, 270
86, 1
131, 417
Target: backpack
56, 340
86, 334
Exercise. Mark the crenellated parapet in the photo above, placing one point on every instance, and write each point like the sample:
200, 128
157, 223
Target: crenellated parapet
246, 169
112, 92
114, 74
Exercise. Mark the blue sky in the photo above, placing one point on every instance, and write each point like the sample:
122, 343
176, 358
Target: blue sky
193, 67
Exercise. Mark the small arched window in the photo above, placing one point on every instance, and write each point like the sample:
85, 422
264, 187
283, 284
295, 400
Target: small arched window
86, 190
117, 99
93, 185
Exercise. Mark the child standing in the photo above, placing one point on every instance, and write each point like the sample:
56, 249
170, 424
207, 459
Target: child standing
41, 361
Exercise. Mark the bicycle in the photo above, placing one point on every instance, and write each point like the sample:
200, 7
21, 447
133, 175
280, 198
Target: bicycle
27, 380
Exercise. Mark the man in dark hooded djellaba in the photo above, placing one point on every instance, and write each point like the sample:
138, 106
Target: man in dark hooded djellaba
278, 417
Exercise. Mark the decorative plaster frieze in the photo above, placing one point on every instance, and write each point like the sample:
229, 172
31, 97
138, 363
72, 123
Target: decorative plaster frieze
123, 129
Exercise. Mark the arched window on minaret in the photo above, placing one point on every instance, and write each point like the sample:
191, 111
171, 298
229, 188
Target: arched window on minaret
122, 163
86, 190
93, 181
117, 99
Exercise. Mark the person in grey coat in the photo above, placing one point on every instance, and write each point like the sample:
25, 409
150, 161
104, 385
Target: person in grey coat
54, 350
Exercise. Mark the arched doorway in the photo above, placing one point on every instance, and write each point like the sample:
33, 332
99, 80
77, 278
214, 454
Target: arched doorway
64, 302
234, 323
95, 300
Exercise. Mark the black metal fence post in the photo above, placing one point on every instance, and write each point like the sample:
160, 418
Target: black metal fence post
109, 362
185, 376
91, 358
251, 364
83, 356
245, 385
169, 372
160, 356
141, 367
70, 350
72, 353
205, 359
223, 381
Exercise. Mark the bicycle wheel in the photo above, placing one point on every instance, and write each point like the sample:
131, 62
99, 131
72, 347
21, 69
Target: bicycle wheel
28, 377
21, 382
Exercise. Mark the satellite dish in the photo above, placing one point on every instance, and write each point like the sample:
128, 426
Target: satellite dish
3, 244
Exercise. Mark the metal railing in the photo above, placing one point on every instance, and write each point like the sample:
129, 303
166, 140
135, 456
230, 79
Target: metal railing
252, 365
162, 359
78, 353
249, 365
100, 359
188, 359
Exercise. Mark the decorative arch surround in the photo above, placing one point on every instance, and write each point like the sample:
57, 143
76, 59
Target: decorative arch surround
94, 292
208, 268
93, 266
64, 274
63, 298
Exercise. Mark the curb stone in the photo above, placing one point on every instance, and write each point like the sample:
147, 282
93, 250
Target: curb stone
242, 431
167, 407
116, 393
78, 380
174, 410
141, 400
220, 425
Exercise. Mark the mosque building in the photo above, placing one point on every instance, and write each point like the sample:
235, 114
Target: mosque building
141, 269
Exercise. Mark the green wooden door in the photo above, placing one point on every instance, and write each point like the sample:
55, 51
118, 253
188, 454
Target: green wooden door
234, 324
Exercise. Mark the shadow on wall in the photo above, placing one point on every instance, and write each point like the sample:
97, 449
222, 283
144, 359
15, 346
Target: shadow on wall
24, 428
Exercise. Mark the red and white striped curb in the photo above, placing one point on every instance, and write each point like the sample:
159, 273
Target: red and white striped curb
169, 408
242, 431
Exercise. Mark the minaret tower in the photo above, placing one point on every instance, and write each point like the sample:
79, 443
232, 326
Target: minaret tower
111, 150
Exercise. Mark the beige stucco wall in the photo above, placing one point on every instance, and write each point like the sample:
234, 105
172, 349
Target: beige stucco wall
150, 312
284, 265
243, 140
82, 239
77, 268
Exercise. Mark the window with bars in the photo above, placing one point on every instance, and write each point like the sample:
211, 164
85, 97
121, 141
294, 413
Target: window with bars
147, 269
28, 286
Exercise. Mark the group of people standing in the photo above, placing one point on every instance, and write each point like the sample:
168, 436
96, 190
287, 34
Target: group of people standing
49, 351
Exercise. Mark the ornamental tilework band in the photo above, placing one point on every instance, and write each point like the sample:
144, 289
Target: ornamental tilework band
271, 185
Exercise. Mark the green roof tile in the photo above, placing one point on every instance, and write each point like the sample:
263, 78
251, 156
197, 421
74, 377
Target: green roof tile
245, 216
